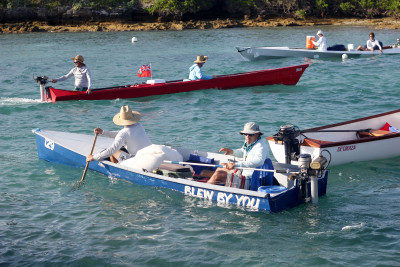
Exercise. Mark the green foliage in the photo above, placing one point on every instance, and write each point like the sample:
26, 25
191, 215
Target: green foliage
321, 7
301, 14
295, 8
347, 8
176, 6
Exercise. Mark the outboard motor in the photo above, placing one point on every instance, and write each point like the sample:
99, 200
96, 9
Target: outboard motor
287, 135
304, 162
309, 172
42, 82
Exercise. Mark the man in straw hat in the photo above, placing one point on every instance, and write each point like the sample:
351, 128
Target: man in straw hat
128, 141
321, 43
195, 70
254, 152
83, 79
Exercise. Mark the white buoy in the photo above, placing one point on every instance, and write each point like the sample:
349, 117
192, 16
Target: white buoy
134, 39
344, 56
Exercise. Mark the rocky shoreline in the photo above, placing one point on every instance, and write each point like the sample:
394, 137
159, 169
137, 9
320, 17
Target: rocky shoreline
43, 26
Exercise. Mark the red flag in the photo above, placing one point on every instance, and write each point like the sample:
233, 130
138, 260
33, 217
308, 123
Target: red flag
144, 71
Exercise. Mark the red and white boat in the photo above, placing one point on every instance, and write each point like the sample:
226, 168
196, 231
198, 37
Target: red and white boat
287, 76
370, 138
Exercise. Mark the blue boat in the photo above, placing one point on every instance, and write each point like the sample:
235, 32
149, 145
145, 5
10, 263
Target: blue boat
292, 185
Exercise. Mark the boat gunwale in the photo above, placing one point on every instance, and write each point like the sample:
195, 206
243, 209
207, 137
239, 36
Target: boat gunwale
312, 51
326, 144
182, 181
255, 72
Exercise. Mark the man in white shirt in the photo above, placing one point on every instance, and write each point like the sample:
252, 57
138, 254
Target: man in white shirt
321, 43
83, 79
128, 141
373, 44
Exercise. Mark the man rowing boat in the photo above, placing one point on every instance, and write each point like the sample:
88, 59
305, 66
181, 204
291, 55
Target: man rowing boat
127, 142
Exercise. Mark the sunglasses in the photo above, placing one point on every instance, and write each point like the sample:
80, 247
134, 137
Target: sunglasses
76, 62
246, 134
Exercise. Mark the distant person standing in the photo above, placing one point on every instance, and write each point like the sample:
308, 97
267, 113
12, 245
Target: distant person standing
83, 79
321, 43
195, 70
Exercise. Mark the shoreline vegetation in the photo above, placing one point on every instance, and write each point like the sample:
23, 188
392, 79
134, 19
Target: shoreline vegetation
20, 16
108, 26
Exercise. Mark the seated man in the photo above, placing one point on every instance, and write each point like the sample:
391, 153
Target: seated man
128, 141
372, 44
195, 70
254, 152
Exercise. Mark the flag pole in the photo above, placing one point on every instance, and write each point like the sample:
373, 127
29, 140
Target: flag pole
151, 72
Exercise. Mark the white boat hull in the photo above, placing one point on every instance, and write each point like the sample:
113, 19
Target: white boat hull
345, 147
253, 53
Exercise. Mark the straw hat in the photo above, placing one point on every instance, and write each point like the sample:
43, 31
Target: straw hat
201, 59
320, 32
126, 117
251, 128
78, 58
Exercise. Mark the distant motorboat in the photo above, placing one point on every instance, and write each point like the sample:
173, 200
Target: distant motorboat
253, 53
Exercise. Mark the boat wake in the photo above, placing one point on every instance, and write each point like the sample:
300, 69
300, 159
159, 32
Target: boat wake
12, 101
351, 227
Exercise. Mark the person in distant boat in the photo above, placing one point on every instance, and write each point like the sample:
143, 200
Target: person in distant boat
372, 44
127, 142
83, 79
195, 70
254, 152
321, 43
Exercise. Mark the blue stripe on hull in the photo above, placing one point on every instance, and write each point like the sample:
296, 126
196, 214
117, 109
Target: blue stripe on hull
56, 153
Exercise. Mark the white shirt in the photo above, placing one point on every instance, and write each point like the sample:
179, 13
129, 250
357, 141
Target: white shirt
371, 44
133, 137
321, 44
82, 77
255, 158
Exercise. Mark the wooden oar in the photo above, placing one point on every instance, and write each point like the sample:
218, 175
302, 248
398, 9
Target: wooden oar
87, 163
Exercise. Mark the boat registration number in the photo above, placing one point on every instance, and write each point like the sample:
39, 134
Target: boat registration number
346, 148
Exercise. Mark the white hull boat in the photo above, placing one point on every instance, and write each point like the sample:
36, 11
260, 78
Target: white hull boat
370, 138
253, 53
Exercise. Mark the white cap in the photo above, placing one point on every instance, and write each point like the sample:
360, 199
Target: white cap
320, 32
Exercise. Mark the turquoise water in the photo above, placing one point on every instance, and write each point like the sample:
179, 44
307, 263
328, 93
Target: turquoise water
43, 223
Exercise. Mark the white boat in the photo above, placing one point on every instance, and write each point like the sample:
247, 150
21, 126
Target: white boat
270, 190
253, 53
363, 139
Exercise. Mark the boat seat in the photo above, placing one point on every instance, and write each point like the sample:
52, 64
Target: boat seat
174, 170
314, 142
262, 178
200, 159
372, 133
